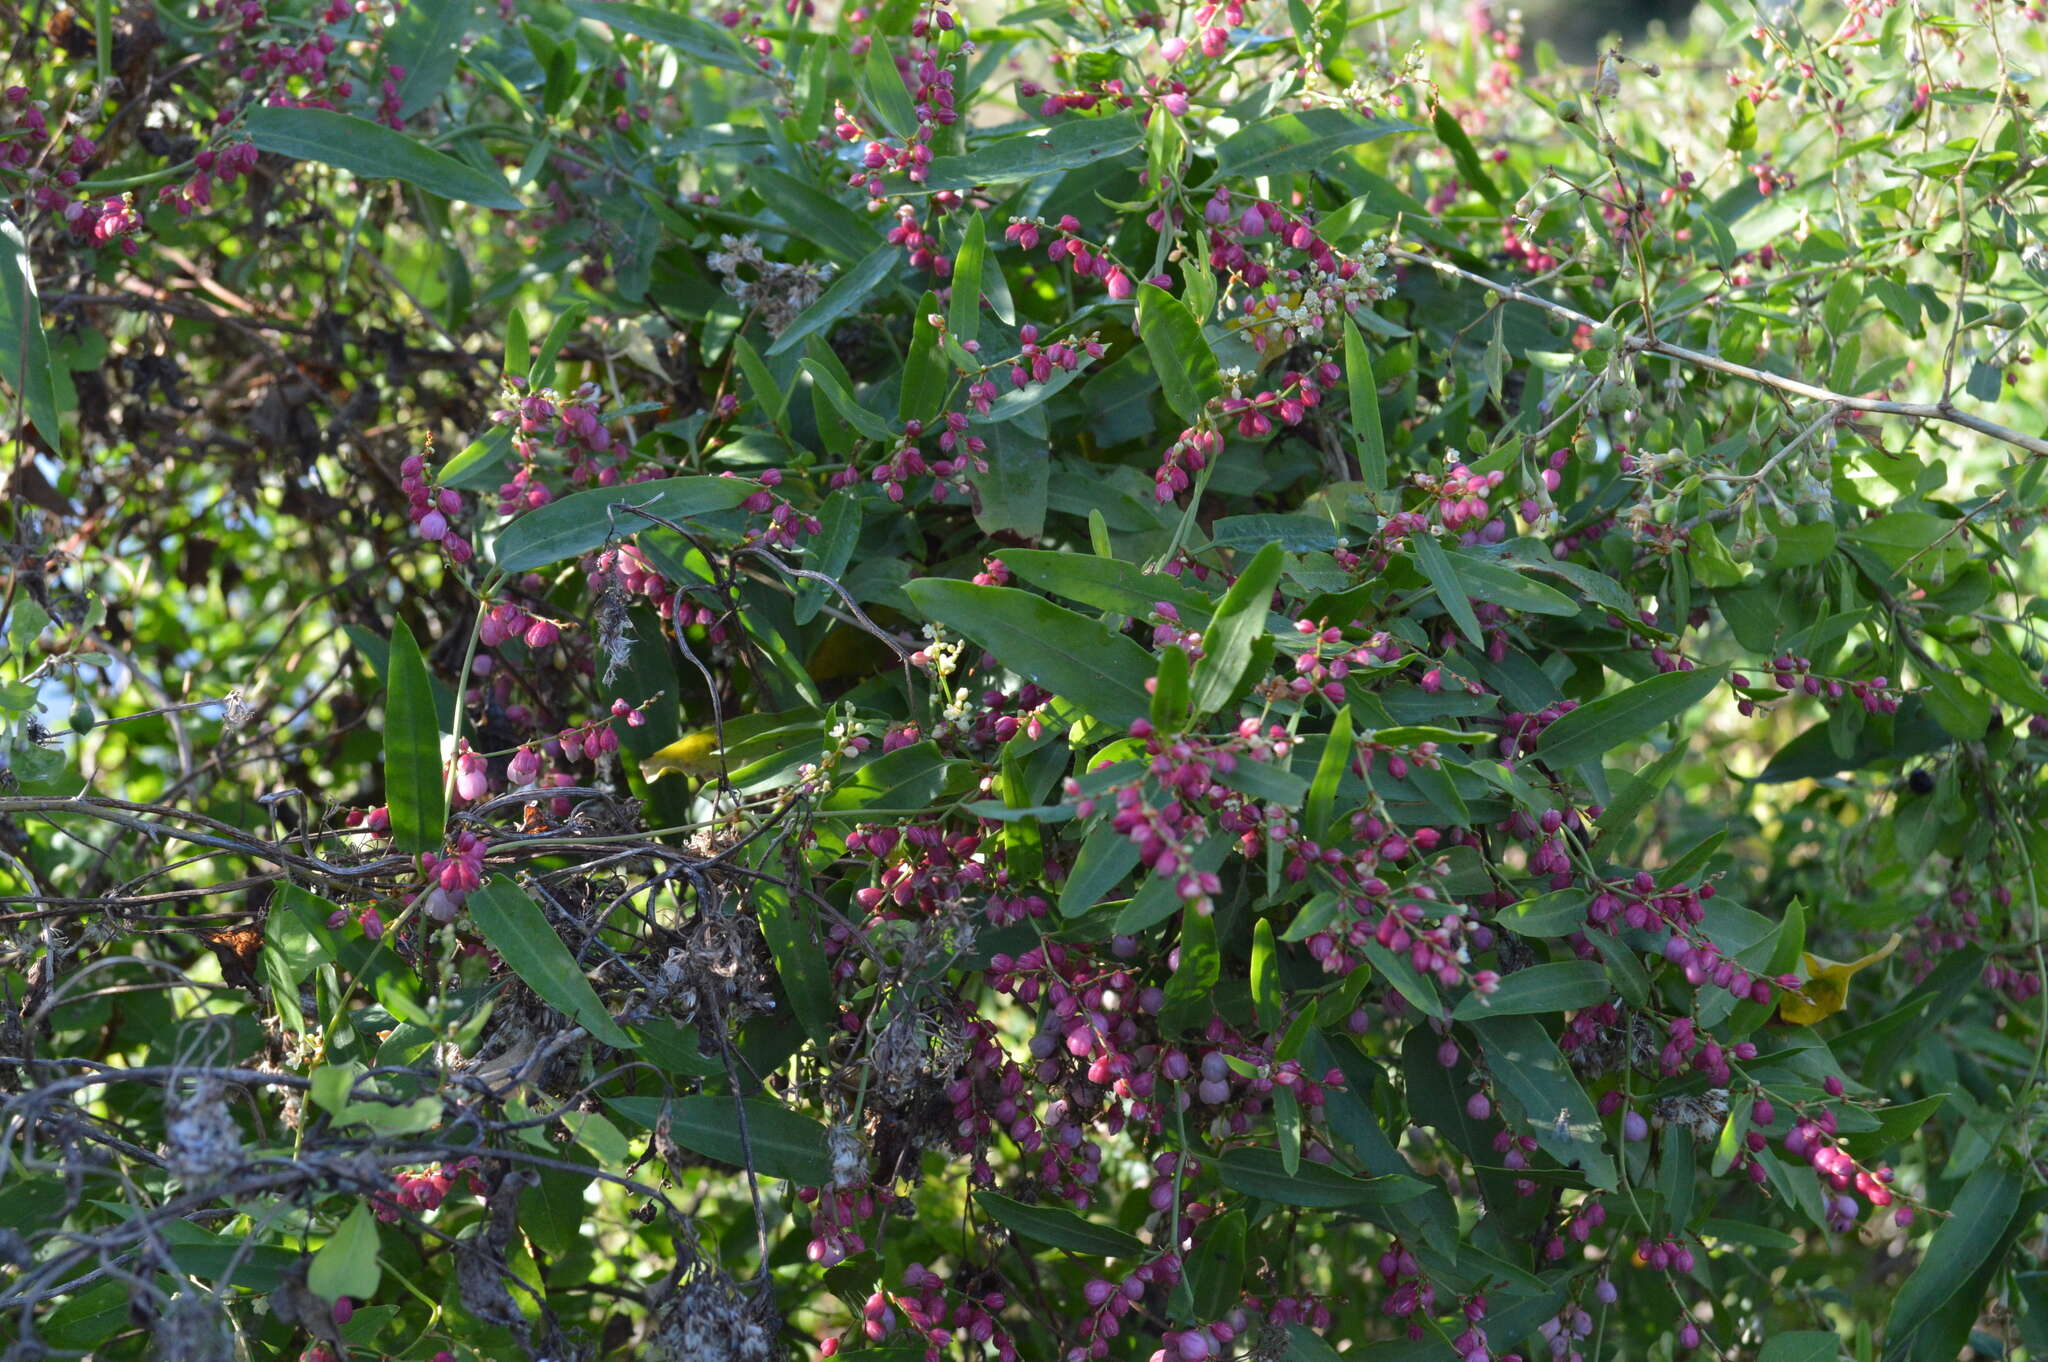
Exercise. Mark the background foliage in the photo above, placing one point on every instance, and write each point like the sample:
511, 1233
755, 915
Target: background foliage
1262, 681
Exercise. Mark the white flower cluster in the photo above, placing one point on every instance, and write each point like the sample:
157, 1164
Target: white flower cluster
1310, 306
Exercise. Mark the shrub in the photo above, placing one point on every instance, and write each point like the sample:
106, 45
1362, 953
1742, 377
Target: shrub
1258, 682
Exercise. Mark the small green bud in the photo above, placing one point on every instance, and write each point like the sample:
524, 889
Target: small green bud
2010, 316
1604, 337
82, 718
1567, 111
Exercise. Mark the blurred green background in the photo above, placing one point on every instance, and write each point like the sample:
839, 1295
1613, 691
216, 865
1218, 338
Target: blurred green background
1578, 26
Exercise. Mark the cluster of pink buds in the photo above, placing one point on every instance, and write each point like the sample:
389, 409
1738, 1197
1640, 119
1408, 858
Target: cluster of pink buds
1522, 731
1410, 1295
1552, 478
573, 428
1813, 1139
928, 76
1314, 671
1036, 363
505, 621
626, 567
1086, 261
1564, 1332
1203, 1341
429, 509
1110, 1302
450, 879
1197, 447
1462, 503
216, 165
113, 219
32, 129
974, 1317
1795, 675
835, 1216
1289, 404
426, 1190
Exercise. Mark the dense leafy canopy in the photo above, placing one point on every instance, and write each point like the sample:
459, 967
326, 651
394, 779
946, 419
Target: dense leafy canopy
943, 682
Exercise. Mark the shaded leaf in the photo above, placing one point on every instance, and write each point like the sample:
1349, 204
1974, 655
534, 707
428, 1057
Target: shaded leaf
1057, 1227
583, 521
1069, 654
373, 152
515, 927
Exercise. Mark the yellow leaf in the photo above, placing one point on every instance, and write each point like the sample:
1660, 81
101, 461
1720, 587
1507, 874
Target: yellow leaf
694, 754
1826, 990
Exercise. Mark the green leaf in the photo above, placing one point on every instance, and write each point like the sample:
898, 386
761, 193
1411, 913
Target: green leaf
1559, 913
1556, 987
1894, 1124
1961, 709
1297, 141
423, 42
1742, 125
1306, 1345
1803, 1345
778, 1143
1527, 1067
583, 521
963, 309
1181, 357
1598, 727
372, 151
1239, 624
1057, 1227
839, 521
1074, 143
1215, 1280
1976, 1223
692, 37
1444, 580
1106, 583
514, 926
1069, 654
346, 1264
846, 404
789, 925
815, 216
848, 292
1496, 584
1104, 859
926, 373
1266, 975
413, 774
1416, 987
1470, 168
1259, 1173
560, 331
886, 94
1331, 769
1190, 987
1158, 898
1368, 437
1170, 691
771, 397
24, 349
1635, 792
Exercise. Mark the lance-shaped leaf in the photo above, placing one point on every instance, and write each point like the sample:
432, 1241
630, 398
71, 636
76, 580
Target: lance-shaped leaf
373, 152
1067, 653
1181, 356
515, 927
